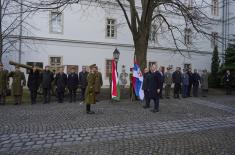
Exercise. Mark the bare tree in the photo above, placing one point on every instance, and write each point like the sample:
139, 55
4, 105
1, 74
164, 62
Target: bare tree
140, 14
12, 18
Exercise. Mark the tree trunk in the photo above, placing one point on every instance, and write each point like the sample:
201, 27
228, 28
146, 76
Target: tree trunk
141, 47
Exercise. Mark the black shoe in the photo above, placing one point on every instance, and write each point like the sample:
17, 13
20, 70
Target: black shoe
145, 107
155, 110
16, 104
90, 112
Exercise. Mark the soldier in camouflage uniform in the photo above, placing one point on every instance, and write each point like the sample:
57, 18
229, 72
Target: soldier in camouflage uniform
17, 84
3, 84
98, 82
90, 90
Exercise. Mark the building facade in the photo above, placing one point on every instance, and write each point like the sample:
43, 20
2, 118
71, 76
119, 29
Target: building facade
86, 34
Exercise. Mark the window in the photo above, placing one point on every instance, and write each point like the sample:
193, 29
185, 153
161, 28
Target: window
56, 22
111, 29
214, 39
153, 33
55, 62
215, 7
108, 67
188, 36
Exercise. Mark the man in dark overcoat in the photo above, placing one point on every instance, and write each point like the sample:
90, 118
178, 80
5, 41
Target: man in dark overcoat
33, 84
61, 83
153, 87
176, 77
3, 84
72, 85
196, 82
83, 82
228, 82
47, 78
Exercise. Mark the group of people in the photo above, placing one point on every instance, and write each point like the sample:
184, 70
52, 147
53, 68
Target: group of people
186, 83
46, 80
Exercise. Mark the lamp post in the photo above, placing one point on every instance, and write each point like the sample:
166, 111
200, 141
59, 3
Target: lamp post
116, 55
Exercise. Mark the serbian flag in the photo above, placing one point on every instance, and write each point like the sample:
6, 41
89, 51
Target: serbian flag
115, 92
138, 81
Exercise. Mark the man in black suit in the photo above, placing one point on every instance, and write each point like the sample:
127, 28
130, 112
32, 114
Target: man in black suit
61, 83
72, 85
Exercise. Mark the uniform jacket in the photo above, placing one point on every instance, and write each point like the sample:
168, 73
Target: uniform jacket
72, 81
98, 82
83, 79
33, 80
18, 82
90, 90
168, 78
47, 78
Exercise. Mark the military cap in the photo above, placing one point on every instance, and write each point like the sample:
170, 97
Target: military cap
92, 66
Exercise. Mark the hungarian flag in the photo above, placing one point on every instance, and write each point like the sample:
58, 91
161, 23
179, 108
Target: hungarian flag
115, 92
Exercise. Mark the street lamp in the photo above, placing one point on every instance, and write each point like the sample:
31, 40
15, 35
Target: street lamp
116, 55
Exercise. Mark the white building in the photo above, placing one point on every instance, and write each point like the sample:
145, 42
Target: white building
83, 35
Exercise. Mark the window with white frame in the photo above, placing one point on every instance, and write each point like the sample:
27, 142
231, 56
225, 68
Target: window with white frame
187, 36
55, 62
214, 39
153, 35
215, 7
56, 22
111, 28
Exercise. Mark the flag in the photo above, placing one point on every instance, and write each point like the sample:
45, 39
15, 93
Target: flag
138, 81
115, 91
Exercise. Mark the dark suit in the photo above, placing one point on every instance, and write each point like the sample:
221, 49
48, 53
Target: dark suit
196, 80
33, 84
47, 78
83, 83
61, 83
72, 86
228, 83
176, 76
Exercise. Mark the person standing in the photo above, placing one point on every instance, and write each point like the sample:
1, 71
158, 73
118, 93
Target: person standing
204, 83
33, 84
161, 72
90, 90
83, 82
176, 76
47, 78
153, 87
196, 82
61, 83
145, 87
168, 83
185, 83
17, 84
3, 84
72, 85
228, 82
190, 76
98, 82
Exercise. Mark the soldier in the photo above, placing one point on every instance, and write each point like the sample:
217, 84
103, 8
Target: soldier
47, 78
72, 85
196, 82
90, 89
17, 84
228, 82
33, 84
185, 83
83, 82
3, 84
98, 82
204, 83
176, 76
61, 83
168, 82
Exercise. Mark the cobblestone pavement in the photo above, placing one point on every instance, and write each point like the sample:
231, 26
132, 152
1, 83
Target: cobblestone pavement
186, 126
